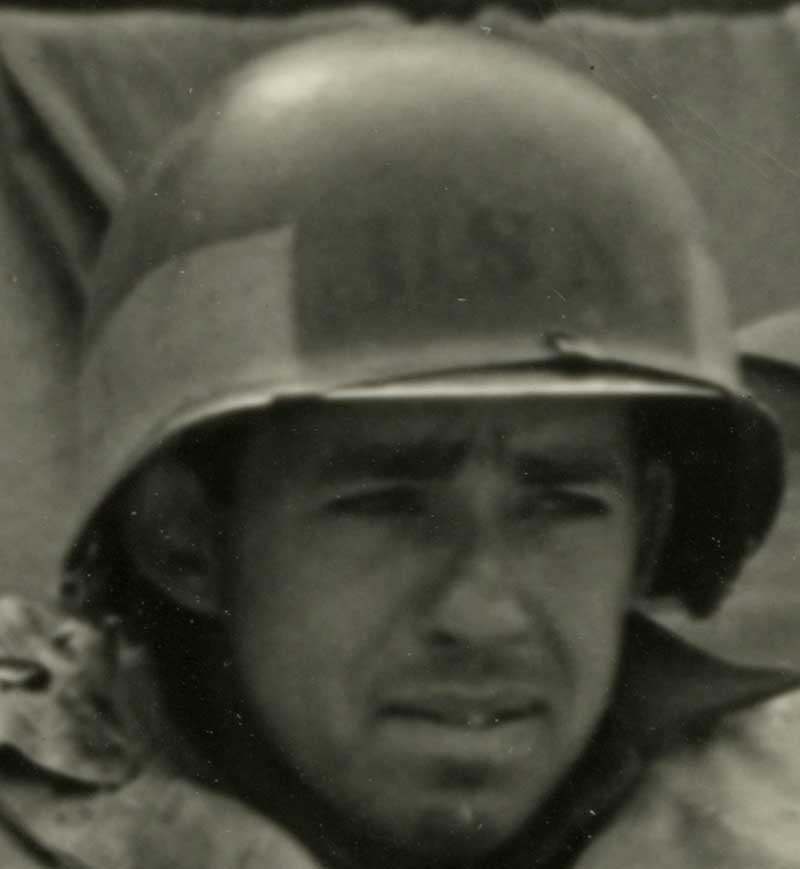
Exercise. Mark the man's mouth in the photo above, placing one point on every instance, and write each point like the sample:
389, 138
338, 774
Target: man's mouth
468, 709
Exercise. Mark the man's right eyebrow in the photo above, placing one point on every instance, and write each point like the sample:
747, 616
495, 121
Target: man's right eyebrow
567, 468
418, 462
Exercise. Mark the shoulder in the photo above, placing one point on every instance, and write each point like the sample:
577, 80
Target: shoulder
56, 706
80, 785
59, 735
731, 799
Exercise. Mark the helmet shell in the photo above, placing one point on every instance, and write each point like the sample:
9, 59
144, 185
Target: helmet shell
775, 339
420, 213
770, 350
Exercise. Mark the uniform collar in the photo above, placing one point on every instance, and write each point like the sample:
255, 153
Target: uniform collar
668, 693
669, 690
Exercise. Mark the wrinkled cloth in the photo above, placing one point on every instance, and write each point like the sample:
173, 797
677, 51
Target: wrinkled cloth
698, 767
83, 781
55, 674
732, 802
704, 770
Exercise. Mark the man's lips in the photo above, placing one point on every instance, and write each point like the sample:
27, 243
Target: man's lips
465, 707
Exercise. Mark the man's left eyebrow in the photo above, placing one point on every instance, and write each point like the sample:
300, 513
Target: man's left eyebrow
532, 468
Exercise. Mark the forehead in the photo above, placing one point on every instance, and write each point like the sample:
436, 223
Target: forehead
545, 426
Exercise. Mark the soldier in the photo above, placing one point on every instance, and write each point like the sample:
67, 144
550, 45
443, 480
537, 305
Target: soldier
407, 377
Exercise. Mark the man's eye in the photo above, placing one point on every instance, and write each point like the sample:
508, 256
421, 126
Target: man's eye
397, 501
562, 502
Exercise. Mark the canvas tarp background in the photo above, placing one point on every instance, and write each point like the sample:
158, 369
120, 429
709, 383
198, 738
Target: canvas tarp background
83, 99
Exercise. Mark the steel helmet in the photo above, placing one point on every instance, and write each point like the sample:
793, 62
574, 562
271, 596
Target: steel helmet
772, 340
770, 351
424, 212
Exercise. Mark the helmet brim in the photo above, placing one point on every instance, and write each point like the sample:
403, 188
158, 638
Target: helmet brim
725, 451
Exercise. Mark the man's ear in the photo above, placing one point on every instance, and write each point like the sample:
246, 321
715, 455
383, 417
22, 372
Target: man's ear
171, 533
656, 509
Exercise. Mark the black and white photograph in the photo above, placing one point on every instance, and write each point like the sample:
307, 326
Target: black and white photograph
399, 434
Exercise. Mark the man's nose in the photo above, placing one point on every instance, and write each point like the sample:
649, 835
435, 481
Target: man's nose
478, 598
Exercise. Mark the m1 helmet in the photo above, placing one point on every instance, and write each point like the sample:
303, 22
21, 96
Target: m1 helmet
424, 212
772, 340
770, 352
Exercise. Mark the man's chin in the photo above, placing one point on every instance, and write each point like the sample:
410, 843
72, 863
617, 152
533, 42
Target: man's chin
451, 831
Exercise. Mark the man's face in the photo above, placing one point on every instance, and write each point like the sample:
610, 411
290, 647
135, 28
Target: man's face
428, 604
